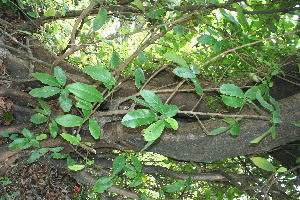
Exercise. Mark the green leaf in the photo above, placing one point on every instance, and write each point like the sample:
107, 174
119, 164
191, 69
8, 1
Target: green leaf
169, 111
176, 187
251, 93
241, 18
206, 39
147, 145
232, 90
139, 5
281, 169
136, 163
178, 29
50, 12
41, 137
94, 128
5, 134
219, 130
100, 19
100, 74
85, 92
141, 57
118, 164
46, 79
184, 72
71, 138
114, 61
60, 76
233, 101
102, 184
38, 118
217, 46
139, 117
70, 161
83, 104
65, 103
44, 92
69, 120
235, 129
27, 134
154, 130
58, 155
36, 154
177, 59
259, 138
53, 128
46, 109
140, 101
229, 17
139, 77
198, 87
263, 164
153, 100
136, 181
173, 123
295, 123
18, 143
263, 102
76, 167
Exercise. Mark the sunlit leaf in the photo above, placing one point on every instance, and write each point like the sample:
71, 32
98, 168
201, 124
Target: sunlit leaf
177, 59
139, 117
70, 138
60, 76
50, 12
184, 72
76, 167
173, 123
263, 164
85, 92
154, 131
100, 19
44, 92
100, 74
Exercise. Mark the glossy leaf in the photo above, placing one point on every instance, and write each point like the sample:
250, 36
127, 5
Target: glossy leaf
46, 79
153, 100
100, 19
94, 128
235, 102
71, 138
100, 74
170, 111
102, 184
60, 76
177, 59
173, 123
69, 120
139, 77
219, 130
85, 92
263, 164
154, 131
139, 117
118, 164
232, 90
44, 92
184, 72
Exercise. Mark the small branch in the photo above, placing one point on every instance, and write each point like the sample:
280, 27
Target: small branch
224, 116
245, 45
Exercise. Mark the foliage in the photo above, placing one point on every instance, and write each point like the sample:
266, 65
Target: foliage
218, 42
